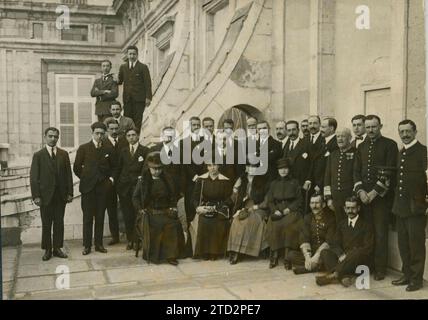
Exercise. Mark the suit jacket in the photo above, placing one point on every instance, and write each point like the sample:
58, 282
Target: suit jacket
94, 165
45, 175
274, 149
319, 161
370, 154
300, 160
137, 84
358, 240
191, 169
339, 171
130, 167
125, 123
411, 188
104, 101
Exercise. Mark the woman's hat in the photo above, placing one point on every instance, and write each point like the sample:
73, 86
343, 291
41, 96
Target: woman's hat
154, 160
283, 163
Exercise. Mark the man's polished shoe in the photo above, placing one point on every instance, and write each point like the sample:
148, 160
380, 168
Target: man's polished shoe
413, 287
113, 241
86, 251
401, 282
347, 281
173, 262
301, 270
325, 280
379, 276
288, 265
101, 249
130, 246
273, 262
48, 255
234, 258
60, 254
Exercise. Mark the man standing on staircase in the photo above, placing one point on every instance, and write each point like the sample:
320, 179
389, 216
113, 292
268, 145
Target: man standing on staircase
51, 189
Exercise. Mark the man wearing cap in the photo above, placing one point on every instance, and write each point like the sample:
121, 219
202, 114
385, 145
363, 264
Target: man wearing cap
351, 247
338, 180
130, 165
155, 196
374, 153
317, 232
95, 165
410, 206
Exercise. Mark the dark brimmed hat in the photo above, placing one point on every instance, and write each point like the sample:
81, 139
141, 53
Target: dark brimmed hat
154, 160
283, 163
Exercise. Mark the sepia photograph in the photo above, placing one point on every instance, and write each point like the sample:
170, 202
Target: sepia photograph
205, 151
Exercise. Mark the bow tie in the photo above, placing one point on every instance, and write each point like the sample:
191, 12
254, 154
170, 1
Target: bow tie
359, 138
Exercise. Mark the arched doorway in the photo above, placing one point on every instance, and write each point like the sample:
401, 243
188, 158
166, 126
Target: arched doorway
239, 114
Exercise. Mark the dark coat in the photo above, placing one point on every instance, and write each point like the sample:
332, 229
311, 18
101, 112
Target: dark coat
191, 169
319, 161
382, 152
359, 240
274, 149
411, 188
259, 189
125, 123
285, 193
137, 84
94, 165
130, 168
300, 160
317, 232
104, 101
45, 175
339, 171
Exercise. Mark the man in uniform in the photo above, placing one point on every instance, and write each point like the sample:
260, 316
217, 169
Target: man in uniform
338, 180
410, 206
130, 165
359, 130
95, 165
51, 188
316, 234
105, 90
375, 152
352, 247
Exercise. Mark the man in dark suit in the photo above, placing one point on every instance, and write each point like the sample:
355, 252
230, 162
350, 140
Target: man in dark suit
352, 247
51, 188
410, 206
316, 144
281, 135
130, 165
105, 90
268, 149
319, 159
304, 127
95, 166
373, 189
113, 142
339, 180
137, 86
359, 129
125, 123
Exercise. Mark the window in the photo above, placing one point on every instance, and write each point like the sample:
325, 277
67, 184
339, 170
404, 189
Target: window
37, 31
75, 110
75, 33
110, 34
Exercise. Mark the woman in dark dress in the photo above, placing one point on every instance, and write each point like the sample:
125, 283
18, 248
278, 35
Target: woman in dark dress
155, 197
248, 231
284, 199
211, 198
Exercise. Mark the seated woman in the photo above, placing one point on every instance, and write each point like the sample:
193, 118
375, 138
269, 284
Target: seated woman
248, 231
284, 199
155, 197
211, 197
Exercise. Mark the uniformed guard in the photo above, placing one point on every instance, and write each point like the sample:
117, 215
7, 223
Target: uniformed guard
376, 151
338, 180
410, 206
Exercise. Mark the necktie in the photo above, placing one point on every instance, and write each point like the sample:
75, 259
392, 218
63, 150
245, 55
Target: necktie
53, 156
292, 146
170, 153
350, 224
359, 138
132, 151
312, 139
98, 145
115, 141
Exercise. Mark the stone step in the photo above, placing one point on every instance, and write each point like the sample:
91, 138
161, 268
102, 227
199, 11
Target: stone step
14, 184
15, 171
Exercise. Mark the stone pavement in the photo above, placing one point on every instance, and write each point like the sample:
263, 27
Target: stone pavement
119, 275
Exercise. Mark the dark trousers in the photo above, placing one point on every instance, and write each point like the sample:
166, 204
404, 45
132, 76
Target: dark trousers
94, 204
129, 214
134, 110
411, 243
296, 258
339, 198
379, 212
330, 261
53, 215
112, 212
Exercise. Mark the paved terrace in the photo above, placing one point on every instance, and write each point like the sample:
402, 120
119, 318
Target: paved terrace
119, 275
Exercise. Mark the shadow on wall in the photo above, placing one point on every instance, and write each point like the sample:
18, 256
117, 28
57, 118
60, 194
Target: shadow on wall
239, 114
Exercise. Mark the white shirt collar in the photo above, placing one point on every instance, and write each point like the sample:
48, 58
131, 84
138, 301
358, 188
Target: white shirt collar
263, 140
195, 136
49, 148
411, 144
327, 140
354, 221
112, 140
295, 141
132, 64
95, 143
134, 145
284, 141
118, 118
315, 136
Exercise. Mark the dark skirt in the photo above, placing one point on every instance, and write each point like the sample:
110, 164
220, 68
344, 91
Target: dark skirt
211, 236
283, 233
166, 239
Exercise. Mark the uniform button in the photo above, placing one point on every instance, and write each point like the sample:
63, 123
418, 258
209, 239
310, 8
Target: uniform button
401, 167
401, 174
401, 181
401, 188
404, 153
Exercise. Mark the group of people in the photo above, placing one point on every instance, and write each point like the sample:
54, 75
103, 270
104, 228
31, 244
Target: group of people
317, 196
